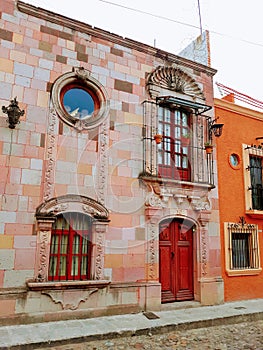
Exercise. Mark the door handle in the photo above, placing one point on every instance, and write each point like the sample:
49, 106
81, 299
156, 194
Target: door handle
172, 255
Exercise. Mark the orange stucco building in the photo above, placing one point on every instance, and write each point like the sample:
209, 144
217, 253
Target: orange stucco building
240, 154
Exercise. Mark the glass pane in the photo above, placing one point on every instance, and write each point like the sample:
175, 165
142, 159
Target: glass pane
185, 132
167, 130
177, 161
74, 266
177, 146
54, 244
184, 162
167, 115
75, 249
84, 266
53, 265
184, 119
78, 103
167, 159
85, 244
62, 266
177, 117
167, 145
177, 133
64, 244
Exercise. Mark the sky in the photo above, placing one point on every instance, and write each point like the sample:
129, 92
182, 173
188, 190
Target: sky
235, 28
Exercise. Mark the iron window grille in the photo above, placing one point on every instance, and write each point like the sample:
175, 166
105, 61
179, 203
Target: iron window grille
171, 159
243, 252
255, 168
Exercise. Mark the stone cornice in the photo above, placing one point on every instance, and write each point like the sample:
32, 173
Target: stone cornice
102, 34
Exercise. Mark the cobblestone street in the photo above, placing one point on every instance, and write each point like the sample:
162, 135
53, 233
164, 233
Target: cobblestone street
247, 336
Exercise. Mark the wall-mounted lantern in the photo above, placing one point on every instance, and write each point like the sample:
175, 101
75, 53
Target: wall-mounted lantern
215, 128
13, 112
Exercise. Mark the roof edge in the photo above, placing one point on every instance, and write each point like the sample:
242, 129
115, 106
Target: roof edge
103, 34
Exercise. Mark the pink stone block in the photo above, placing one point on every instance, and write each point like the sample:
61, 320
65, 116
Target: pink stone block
134, 274
118, 274
114, 233
124, 171
136, 247
32, 60
15, 175
18, 229
30, 96
24, 259
134, 260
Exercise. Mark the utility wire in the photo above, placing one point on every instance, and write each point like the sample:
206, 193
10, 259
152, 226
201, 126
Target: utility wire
200, 20
180, 22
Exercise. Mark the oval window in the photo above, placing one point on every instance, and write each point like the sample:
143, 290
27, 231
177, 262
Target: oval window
234, 160
78, 103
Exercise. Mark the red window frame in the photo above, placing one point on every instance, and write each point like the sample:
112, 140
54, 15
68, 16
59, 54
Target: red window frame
79, 85
173, 153
70, 248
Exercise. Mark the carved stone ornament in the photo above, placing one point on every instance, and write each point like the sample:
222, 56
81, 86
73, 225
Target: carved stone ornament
200, 203
72, 203
51, 154
82, 79
70, 300
173, 79
154, 200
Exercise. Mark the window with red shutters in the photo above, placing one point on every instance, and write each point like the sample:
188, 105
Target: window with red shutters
70, 249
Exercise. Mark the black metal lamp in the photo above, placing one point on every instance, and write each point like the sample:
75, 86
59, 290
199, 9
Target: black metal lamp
13, 112
215, 128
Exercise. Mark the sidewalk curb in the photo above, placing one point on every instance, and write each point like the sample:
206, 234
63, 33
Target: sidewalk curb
159, 329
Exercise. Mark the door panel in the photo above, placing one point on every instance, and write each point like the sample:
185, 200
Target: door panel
176, 260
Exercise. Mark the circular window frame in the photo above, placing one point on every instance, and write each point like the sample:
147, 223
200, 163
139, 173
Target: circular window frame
235, 167
80, 78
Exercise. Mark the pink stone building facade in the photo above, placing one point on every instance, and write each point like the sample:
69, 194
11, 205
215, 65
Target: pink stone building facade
97, 216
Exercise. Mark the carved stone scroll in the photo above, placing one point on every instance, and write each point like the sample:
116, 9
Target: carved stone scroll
102, 166
43, 248
51, 151
99, 232
204, 218
153, 215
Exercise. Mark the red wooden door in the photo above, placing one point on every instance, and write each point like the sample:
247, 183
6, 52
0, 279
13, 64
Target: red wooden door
176, 260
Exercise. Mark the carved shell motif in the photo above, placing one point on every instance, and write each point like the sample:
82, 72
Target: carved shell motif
174, 79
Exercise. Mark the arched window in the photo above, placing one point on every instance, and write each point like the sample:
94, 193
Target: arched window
70, 248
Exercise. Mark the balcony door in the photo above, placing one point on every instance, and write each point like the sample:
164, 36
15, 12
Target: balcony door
174, 151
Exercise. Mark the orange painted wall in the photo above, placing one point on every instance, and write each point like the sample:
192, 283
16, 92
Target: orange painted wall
241, 125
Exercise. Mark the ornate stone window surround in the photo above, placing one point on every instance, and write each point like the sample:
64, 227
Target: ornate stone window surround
82, 79
46, 215
173, 87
